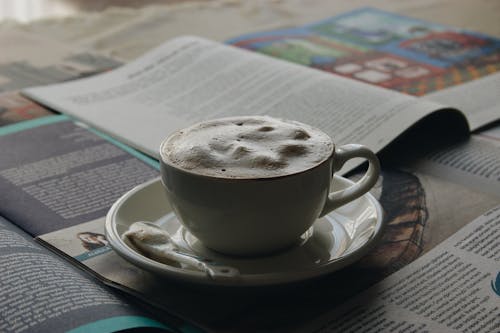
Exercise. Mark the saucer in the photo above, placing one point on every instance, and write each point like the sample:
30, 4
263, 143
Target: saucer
334, 241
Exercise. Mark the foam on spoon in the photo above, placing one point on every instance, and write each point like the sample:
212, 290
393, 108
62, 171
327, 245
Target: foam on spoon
247, 147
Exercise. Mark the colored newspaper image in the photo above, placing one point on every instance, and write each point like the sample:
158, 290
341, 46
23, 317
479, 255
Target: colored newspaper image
15, 108
385, 49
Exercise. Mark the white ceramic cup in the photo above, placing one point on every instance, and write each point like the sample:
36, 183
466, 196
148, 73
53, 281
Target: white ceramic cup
256, 216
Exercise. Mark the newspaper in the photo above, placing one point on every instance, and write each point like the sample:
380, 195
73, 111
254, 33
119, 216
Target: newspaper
189, 79
40, 292
450, 66
474, 163
420, 213
453, 288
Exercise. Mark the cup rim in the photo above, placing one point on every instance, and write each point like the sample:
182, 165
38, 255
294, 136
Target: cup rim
166, 162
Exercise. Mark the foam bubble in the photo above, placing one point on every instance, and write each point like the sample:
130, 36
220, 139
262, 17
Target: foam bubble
247, 147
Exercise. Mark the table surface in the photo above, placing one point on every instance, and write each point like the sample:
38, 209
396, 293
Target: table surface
480, 15
126, 29
26, 11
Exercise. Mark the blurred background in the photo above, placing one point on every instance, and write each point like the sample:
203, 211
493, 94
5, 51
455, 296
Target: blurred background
30, 10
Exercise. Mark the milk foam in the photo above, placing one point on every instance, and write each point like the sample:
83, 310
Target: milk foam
247, 147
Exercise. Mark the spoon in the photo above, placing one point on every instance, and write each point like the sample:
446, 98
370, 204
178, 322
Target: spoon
154, 242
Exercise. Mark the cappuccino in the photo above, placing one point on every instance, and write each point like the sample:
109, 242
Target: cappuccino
247, 147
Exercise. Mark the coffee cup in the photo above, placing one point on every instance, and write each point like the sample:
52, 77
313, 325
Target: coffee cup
252, 185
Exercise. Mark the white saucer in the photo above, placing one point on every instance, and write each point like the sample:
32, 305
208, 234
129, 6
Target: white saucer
336, 240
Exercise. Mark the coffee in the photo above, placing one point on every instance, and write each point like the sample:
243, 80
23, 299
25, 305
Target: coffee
247, 147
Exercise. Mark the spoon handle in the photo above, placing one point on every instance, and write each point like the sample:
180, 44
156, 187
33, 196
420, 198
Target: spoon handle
214, 270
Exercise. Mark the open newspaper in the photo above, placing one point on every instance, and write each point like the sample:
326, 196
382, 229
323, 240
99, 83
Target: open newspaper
189, 79
453, 288
448, 65
59, 176
206, 79
40, 292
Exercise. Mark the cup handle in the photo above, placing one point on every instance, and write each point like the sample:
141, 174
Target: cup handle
342, 155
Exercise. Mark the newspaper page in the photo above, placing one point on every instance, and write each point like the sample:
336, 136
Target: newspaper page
63, 173
191, 79
453, 288
448, 65
478, 99
40, 292
15, 108
58, 179
474, 163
